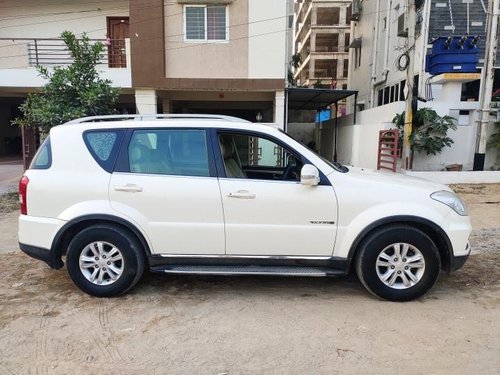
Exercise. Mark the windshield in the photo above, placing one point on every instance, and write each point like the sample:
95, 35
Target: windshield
334, 164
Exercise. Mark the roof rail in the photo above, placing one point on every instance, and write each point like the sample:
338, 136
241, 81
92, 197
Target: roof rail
154, 117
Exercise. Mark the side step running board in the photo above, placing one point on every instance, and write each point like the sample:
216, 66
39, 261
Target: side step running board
249, 270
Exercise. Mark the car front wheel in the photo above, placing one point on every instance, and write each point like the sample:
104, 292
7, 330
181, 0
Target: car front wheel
398, 263
104, 260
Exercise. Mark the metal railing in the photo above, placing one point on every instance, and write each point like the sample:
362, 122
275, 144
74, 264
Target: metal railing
53, 51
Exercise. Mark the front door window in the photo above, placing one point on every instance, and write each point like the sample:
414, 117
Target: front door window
254, 157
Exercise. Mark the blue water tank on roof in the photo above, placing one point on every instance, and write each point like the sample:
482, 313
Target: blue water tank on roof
452, 55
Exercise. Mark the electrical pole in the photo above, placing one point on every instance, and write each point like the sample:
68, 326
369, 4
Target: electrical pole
487, 76
410, 23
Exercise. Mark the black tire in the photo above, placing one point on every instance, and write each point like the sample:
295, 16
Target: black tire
129, 250
380, 243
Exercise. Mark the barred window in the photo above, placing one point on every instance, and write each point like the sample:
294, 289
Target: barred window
205, 22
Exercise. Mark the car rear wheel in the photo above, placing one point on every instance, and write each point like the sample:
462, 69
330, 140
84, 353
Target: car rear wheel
398, 263
104, 260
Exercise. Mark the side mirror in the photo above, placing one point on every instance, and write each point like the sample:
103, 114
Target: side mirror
309, 175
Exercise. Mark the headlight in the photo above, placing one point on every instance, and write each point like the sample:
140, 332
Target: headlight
451, 200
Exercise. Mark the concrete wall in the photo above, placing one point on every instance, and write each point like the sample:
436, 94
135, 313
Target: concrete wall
267, 38
30, 78
197, 59
476, 177
256, 47
357, 144
365, 146
13, 54
462, 150
303, 132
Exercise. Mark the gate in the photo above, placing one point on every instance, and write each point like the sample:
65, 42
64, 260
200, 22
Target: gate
388, 149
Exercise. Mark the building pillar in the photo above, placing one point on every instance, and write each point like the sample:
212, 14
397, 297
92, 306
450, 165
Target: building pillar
145, 101
314, 15
343, 16
279, 109
341, 40
312, 71
127, 53
339, 73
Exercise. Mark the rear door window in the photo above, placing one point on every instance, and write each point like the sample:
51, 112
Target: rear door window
180, 152
103, 145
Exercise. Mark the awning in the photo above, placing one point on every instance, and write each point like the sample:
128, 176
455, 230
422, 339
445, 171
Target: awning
315, 99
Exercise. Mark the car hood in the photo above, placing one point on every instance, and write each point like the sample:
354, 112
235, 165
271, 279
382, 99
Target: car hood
370, 176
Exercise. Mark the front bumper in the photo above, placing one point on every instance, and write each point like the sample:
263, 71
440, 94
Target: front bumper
457, 262
42, 254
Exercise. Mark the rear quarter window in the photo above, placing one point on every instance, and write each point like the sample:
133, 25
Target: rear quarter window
43, 157
103, 145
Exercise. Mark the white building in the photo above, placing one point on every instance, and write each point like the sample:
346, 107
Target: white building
378, 39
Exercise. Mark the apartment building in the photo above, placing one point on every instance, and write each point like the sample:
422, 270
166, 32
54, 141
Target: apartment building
322, 39
215, 56
224, 57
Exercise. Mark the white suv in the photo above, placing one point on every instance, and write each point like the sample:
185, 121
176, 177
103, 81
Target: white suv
219, 195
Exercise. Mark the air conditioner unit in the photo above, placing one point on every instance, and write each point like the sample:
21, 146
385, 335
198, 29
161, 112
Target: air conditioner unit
402, 27
356, 10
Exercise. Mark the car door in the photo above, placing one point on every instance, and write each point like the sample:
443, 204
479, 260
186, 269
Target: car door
165, 182
267, 211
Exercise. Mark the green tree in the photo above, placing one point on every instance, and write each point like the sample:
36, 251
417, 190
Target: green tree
72, 91
494, 140
295, 63
429, 133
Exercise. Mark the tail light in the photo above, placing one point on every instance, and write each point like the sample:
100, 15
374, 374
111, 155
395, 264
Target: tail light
23, 194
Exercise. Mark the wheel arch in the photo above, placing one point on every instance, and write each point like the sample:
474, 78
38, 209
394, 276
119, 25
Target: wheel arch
69, 230
435, 233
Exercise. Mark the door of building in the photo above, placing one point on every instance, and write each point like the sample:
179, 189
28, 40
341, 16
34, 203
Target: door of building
118, 30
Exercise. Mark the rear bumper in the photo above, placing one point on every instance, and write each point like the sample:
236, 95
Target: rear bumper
42, 254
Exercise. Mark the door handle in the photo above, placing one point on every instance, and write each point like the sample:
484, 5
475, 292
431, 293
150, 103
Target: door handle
129, 188
241, 194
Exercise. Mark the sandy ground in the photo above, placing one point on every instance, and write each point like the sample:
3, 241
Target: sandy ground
10, 172
249, 325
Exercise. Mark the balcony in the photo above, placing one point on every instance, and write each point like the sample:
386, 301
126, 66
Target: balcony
50, 52
20, 56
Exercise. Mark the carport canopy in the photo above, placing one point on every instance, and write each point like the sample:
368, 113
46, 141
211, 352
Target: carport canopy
300, 98
315, 99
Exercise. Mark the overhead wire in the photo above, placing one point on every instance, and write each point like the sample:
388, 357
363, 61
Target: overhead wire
191, 45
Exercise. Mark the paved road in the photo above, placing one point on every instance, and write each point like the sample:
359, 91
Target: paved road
10, 173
